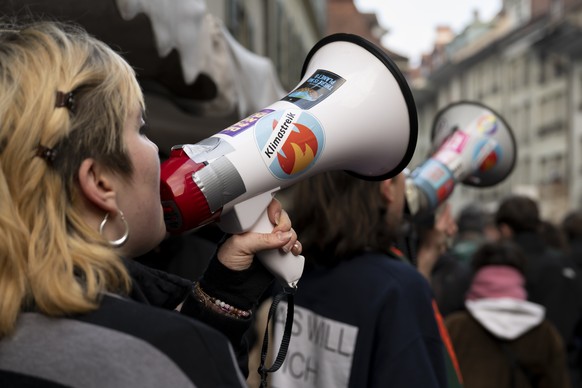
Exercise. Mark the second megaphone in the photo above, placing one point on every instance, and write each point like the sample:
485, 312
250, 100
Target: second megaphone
352, 110
472, 144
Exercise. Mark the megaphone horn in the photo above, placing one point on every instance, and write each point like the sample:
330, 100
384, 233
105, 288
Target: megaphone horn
352, 111
471, 144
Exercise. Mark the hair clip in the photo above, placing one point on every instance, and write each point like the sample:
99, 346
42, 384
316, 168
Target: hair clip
48, 154
65, 100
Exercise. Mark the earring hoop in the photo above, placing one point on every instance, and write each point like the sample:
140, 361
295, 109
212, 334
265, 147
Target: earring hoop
123, 239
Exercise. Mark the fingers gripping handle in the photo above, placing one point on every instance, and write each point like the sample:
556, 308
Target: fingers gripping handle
286, 267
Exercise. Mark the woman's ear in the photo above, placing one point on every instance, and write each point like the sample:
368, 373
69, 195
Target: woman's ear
96, 186
387, 190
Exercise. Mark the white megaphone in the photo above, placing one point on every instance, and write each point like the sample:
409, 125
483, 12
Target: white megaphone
352, 111
471, 144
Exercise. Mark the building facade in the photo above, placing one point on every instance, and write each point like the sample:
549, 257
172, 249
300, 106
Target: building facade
283, 31
526, 65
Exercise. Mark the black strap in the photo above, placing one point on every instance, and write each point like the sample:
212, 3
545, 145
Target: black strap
263, 371
516, 364
512, 357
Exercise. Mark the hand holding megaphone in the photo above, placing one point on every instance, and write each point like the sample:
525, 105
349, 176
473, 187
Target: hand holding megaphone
472, 144
356, 115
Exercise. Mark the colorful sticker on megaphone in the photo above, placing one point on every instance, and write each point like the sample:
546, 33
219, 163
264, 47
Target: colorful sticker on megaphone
456, 142
290, 142
452, 160
315, 89
487, 154
245, 123
486, 124
435, 180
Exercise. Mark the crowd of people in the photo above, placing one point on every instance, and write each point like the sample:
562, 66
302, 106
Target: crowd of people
485, 299
517, 283
508, 296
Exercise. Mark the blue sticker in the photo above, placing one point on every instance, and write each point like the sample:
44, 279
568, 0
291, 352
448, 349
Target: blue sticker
315, 89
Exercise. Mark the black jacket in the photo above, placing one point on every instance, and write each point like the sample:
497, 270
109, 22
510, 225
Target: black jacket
138, 340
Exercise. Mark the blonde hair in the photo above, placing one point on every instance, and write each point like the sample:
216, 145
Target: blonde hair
50, 259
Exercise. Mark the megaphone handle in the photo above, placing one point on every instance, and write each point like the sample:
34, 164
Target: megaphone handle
286, 267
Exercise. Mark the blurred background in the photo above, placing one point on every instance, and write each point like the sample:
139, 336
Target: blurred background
204, 65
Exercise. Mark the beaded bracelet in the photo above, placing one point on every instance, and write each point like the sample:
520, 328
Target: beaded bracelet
219, 305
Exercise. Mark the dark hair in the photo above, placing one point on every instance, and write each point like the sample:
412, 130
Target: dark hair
503, 252
520, 213
572, 225
471, 219
337, 215
553, 235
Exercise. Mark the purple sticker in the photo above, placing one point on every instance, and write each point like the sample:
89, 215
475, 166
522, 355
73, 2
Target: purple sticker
245, 123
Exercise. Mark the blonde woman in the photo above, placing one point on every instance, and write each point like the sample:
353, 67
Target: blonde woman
79, 197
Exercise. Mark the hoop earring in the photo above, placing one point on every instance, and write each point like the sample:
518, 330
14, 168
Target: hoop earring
123, 239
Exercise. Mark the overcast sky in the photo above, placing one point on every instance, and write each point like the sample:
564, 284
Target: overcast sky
412, 23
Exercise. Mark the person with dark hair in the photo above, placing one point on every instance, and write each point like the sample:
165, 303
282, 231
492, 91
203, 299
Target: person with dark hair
571, 226
363, 315
450, 274
554, 236
517, 214
471, 224
502, 340
552, 280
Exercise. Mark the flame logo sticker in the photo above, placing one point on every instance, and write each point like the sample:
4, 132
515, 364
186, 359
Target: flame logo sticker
487, 155
290, 142
299, 150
